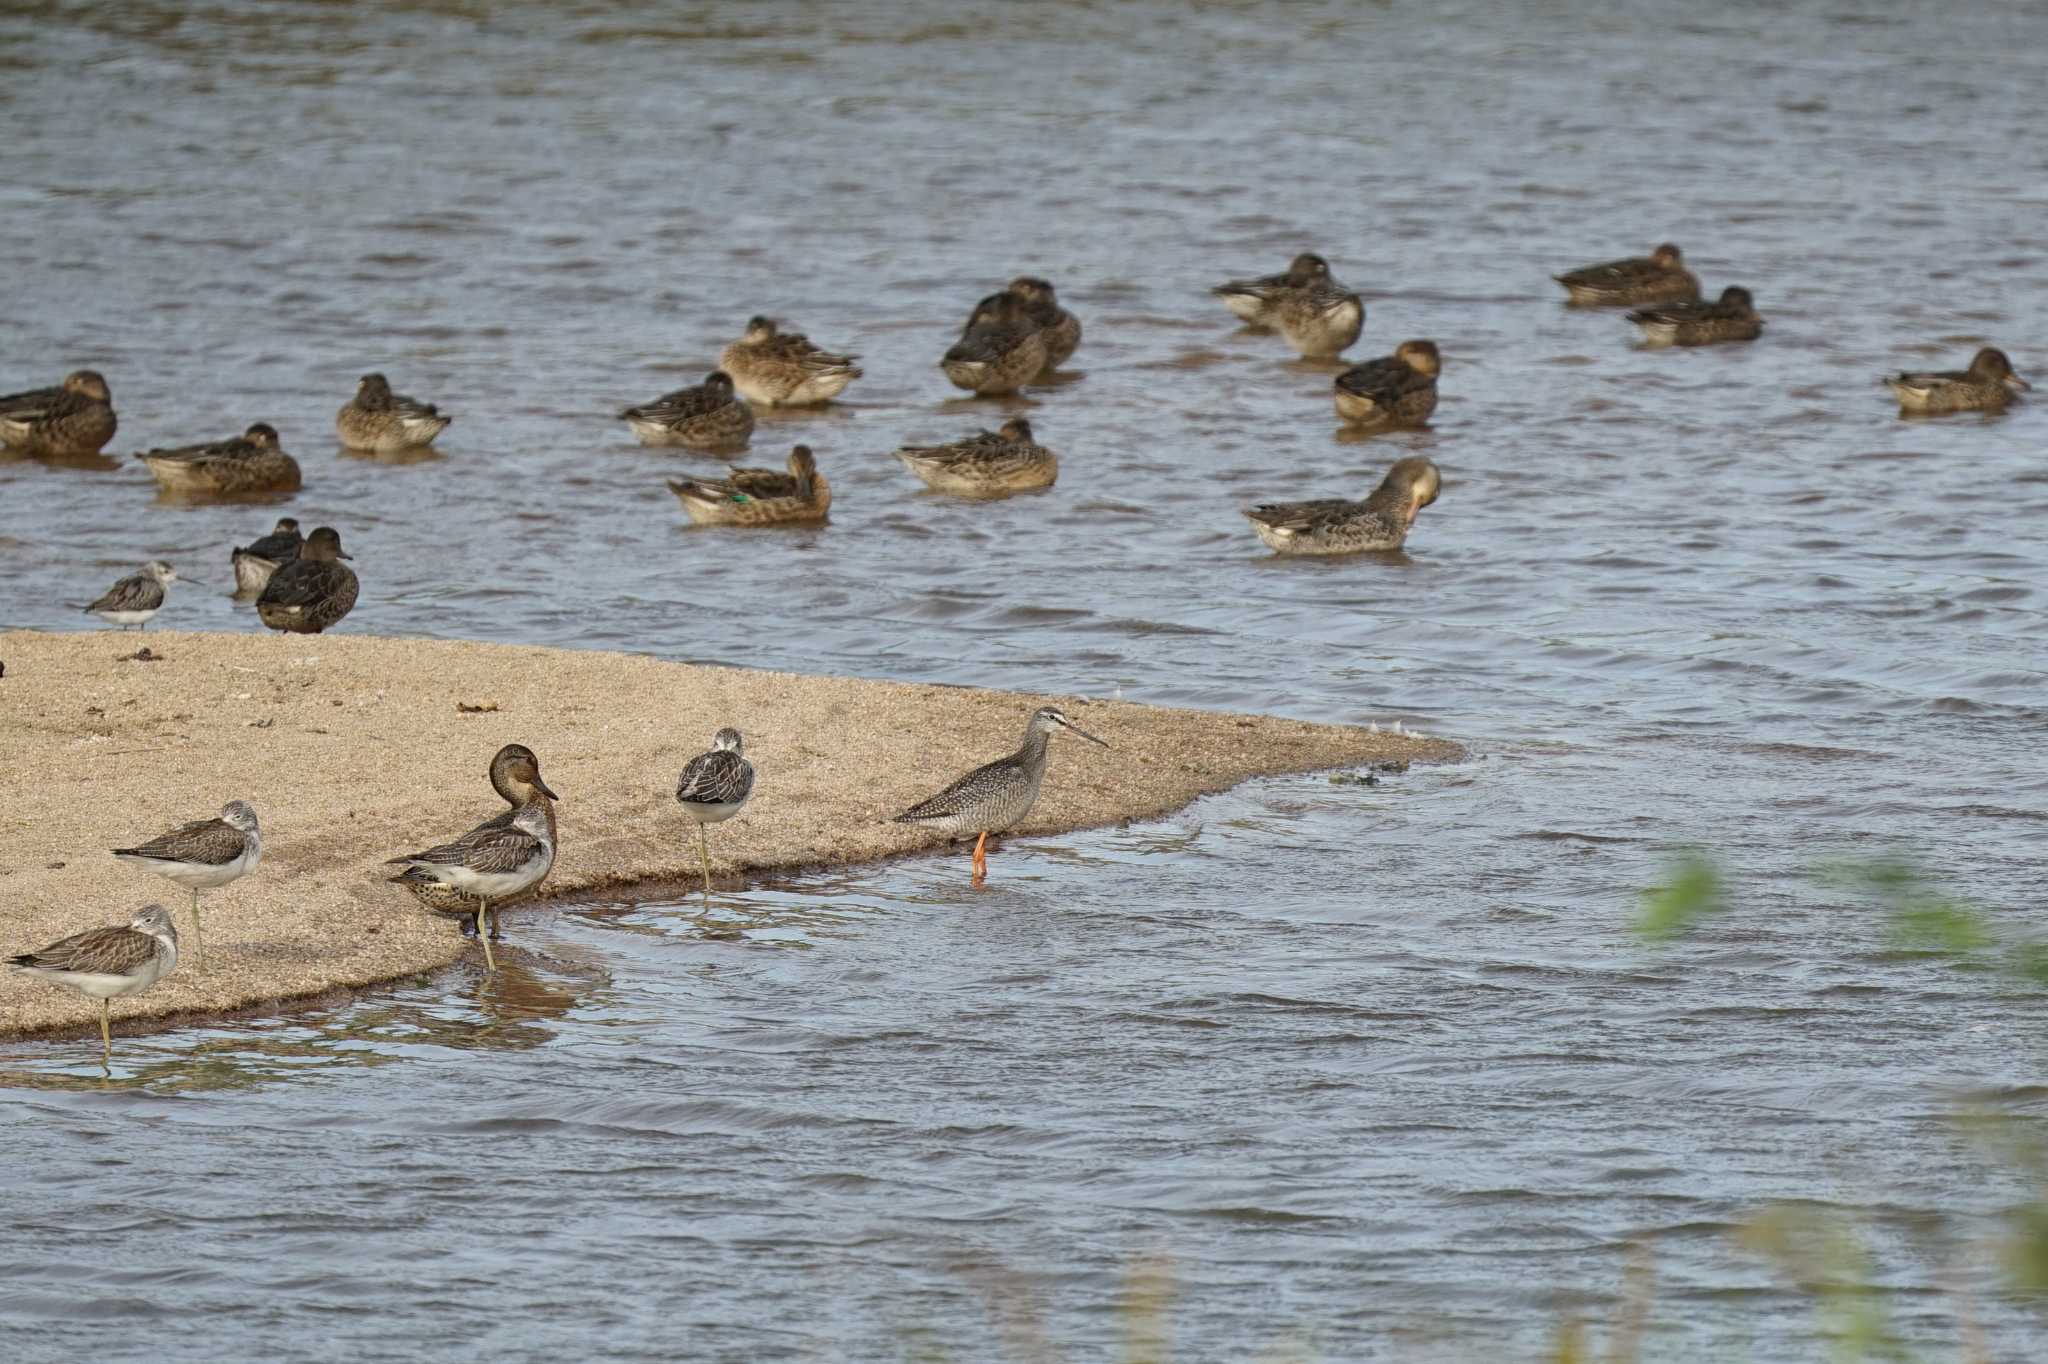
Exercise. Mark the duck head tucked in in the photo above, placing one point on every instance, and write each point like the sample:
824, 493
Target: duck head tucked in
324, 543
999, 308
759, 329
1667, 256
1032, 289
1735, 296
1409, 486
264, 436
1420, 356
1308, 266
1016, 429
718, 383
88, 383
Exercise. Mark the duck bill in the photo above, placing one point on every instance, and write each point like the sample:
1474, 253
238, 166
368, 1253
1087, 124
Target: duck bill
2013, 381
542, 787
1084, 733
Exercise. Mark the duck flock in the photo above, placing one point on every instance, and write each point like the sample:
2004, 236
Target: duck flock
303, 584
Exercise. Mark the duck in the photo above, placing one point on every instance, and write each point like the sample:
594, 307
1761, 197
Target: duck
1335, 525
137, 597
380, 420
1000, 349
75, 418
1320, 320
1394, 390
708, 418
1731, 317
775, 368
311, 592
1660, 277
1061, 329
1256, 301
252, 462
255, 562
515, 775
758, 497
988, 464
496, 862
1986, 386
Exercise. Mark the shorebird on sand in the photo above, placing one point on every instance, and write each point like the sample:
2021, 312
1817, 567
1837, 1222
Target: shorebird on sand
495, 861
203, 855
712, 789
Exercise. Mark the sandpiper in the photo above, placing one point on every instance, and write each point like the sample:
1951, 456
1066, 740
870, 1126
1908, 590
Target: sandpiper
1394, 390
252, 462
1986, 386
108, 963
709, 417
515, 775
1256, 302
1061, 329
255, 562
1000, 349
495, 861
380, 420
988, 464
74, 418
137, 597
776, 368
311, 592
1660, 277
1335, 525
995, 795
1731, 317
758, 497
712, 789
203, 855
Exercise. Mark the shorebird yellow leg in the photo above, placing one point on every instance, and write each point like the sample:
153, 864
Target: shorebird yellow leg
483, 924
981, 859
198, 939
106, 1034
704, 852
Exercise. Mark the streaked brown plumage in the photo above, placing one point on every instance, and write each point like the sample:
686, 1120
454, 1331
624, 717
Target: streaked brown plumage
758, 497
74, 418
135, 598
1335, 525
988, 464
1000, 349
1986, 386
311, 592
1394, 390
515, 776
378, 419
776, 368
500, 859
1061, 328
249, 463
708, 417
1256, 301
1660, 277
1731, 317
108, 963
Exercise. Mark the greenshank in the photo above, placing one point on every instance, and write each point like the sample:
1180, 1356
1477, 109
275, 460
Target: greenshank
712, 789
203, 855
135, 598
496, 861
515, 776
109, 963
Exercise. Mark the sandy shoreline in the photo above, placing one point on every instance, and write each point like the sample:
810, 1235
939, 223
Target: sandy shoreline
353, 749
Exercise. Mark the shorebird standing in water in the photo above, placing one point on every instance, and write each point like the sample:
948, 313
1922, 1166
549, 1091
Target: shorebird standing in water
712, 789
995, 795
203, 855
515, 775
496, 860
137, 597
108, 963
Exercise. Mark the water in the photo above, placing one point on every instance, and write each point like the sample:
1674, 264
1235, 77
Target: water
1377, 1072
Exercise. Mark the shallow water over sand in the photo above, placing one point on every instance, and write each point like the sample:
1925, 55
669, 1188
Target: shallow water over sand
1381, 1070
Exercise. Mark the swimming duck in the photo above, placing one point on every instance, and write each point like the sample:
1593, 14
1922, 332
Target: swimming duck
249, 463
515, 776
378, 419
1061, 328
1731, 317
758, 497
137, 597
254, 563
989, 464
75, 418
1335, 525
1660, 277
1000, 349
1986, 386
1256, 301
783, 369
708, 417
1394, 390
311, 592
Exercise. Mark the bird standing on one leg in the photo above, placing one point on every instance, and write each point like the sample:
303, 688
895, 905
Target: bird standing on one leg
494, 861
712, 789
107, 963
203, 855
995, 795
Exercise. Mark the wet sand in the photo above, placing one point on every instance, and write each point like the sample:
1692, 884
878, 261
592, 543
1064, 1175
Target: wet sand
355, 749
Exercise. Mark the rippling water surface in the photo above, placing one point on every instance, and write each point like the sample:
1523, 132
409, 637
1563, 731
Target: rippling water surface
1378, 1073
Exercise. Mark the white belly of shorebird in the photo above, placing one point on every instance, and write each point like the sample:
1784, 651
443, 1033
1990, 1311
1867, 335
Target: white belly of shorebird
200, 875
126, 617
496, 885
711, 812
105, 985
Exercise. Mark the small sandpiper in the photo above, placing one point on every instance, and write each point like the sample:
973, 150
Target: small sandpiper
109, 963
995, 795
515, 776
74, 418
708, 418
712, 789
495, 861
254, 563
313, 591
252, 462
380, 420
137, 597
203, 855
